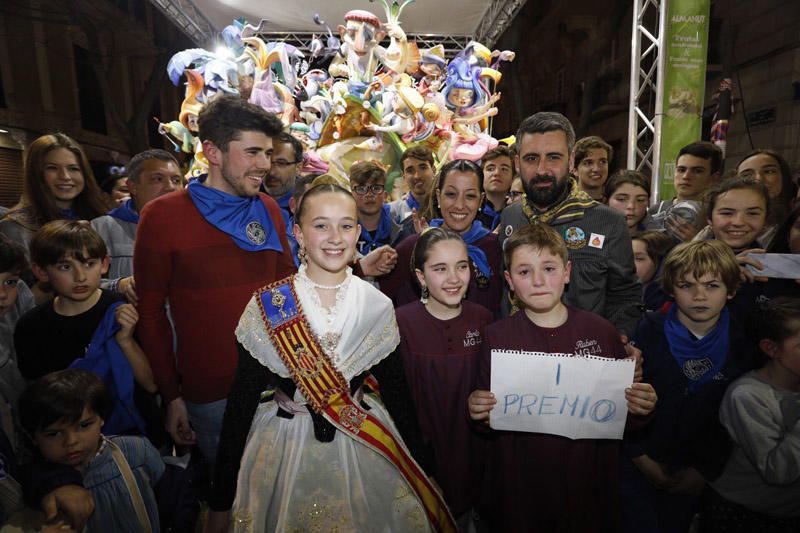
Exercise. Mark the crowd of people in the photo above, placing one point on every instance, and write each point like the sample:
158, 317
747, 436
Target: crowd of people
322, 355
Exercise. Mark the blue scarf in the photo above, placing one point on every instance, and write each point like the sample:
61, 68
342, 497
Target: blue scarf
245, 219
367, 243
104, 358
412, 202
701, 360
126, 211
489, 211
472, 235
283, 203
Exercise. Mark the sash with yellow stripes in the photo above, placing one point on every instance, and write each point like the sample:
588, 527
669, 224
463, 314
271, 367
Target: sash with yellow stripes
328, 393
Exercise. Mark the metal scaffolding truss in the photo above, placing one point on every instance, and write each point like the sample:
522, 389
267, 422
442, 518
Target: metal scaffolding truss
452, 44
496, 20
648, 56
498, 17
186, 16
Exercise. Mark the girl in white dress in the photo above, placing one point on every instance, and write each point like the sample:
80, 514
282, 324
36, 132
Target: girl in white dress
313, 460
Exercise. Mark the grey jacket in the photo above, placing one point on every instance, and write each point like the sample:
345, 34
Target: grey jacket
119, 236
603, 278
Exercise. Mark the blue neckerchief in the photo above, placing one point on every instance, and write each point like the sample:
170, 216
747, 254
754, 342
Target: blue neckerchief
126, 211
367, 243
412, 202
489, 211
293, 246
701, 360
245, 219
471, 236
283, 203
68, 214
104, 357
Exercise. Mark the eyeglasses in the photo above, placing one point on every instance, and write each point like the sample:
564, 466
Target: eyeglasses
282, 163
364, 189
515, 194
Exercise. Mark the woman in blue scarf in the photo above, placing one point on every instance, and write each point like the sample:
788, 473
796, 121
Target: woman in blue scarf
457, 199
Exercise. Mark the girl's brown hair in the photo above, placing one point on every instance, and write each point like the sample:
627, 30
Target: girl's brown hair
36, 197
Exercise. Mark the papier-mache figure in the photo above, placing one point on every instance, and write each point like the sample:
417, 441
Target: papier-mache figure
363, 105
432, 66
361, 53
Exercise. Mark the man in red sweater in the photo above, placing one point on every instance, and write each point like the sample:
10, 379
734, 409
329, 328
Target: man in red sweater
204, 251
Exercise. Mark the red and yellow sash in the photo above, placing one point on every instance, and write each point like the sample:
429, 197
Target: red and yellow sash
328, 393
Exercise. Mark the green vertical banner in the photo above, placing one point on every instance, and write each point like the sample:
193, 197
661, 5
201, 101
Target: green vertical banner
686, 42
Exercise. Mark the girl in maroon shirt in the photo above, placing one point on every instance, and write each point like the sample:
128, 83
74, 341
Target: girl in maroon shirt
441, 335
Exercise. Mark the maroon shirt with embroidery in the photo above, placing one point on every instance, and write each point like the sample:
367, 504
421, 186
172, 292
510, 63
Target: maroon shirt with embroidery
440, 358
548, 483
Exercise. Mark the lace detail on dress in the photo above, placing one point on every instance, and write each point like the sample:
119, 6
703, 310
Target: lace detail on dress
375, 348
328, 339
310, 286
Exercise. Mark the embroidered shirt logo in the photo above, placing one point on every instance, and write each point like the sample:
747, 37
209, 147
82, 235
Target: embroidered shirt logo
472, 338
255, 233
587, 347
574, 237
695, 369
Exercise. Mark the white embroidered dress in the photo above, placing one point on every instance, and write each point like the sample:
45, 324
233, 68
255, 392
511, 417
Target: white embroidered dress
288, 480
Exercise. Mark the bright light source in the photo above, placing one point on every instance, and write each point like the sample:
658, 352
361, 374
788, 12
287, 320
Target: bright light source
223, 51
3, 131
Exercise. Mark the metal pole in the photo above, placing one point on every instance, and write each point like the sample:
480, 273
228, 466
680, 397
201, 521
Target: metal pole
659, 112
633, 117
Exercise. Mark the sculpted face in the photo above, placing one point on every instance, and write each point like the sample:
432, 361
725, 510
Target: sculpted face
359, 36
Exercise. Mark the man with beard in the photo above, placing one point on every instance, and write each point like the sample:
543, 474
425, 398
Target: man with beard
603, 278
287, 158
205, 249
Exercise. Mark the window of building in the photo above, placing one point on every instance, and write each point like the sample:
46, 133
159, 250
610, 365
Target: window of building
561, 85
90, 98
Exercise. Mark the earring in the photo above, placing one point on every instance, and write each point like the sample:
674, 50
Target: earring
424, 297
301, 255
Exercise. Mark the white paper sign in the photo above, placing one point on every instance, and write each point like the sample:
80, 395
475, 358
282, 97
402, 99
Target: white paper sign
559, 394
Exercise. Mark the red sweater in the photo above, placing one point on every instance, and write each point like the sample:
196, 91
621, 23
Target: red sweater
208, 280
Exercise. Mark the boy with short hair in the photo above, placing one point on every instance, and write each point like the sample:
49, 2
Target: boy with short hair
16, 299
697, 168
417, 168
71, 257
692, 351
574, 485
498, 173
368, 183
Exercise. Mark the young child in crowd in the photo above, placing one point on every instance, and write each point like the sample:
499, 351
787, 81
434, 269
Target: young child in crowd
771, 169
71, 257
628, 192
539, 482
759, 489
691, 353
649, 250
440, 339
737, 210
63, 414
517, 191
368, 183
16, 299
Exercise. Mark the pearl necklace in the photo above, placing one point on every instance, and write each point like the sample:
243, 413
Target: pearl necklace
326, 287
302, 271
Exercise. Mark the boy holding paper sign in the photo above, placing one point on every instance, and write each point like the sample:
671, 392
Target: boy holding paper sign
535, 481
